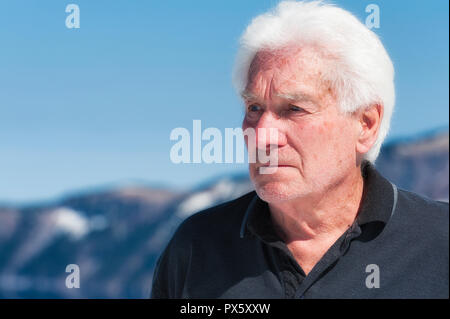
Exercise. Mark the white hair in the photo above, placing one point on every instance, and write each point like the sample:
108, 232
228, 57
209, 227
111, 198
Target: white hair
362, 74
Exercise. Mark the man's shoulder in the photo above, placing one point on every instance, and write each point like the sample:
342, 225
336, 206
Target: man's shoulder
422, 204
424, 213
225, 218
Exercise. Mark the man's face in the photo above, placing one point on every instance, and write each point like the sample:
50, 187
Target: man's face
316, 143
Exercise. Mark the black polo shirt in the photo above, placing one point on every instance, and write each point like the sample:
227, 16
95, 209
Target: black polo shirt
397, 247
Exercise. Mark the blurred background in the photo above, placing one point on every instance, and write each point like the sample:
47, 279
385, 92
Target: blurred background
86, 115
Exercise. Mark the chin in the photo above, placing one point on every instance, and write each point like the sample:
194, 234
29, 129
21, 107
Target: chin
283, 185
277, 191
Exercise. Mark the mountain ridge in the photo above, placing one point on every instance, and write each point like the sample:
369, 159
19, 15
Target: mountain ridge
115, 235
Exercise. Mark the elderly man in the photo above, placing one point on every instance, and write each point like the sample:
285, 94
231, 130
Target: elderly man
324, 223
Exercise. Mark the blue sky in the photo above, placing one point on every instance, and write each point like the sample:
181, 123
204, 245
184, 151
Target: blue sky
92, 106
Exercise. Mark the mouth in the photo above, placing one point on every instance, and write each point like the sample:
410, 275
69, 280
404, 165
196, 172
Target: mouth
279, 165
270, 169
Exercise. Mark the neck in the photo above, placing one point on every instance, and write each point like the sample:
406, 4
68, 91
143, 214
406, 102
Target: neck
322, 215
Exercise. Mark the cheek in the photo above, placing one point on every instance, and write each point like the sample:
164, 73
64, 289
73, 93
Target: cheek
322, 133
328, 138
329, 130
245, 125
323, 139
339, 138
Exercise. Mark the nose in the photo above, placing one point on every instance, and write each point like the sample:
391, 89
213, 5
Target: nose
270, 132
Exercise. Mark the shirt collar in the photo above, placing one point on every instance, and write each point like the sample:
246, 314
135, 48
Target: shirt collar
378, 204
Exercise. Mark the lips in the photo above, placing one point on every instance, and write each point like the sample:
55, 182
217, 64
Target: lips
279, 165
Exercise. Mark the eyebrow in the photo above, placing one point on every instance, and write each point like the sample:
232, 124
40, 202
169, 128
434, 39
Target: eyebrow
296, 97
248, 96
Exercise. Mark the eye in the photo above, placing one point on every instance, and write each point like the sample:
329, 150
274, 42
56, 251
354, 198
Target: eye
253, 113
294, 108
254, 108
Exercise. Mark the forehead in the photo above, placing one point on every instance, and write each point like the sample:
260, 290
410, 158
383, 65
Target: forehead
296, 60
286, 69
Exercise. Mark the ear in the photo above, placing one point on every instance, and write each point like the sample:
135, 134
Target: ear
369, 120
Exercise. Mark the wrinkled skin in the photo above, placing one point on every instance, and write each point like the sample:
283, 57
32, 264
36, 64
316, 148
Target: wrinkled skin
316, 189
